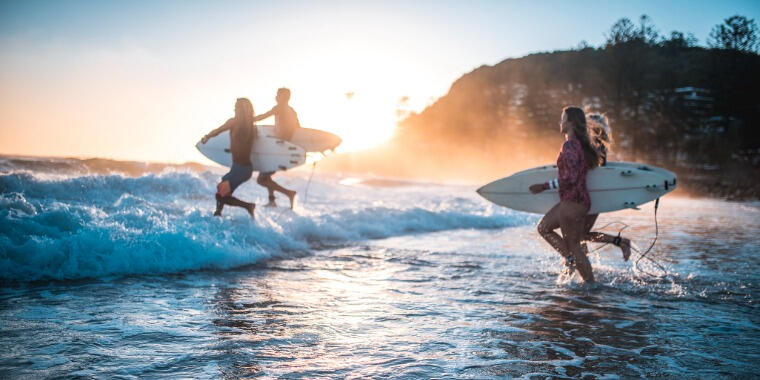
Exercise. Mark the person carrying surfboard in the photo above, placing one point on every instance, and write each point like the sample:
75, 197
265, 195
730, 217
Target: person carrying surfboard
242, 132
575, 159
601, 136
285, 124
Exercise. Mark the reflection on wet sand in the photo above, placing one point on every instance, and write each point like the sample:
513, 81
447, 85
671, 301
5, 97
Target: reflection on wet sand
247, 320
464, 312
303, 317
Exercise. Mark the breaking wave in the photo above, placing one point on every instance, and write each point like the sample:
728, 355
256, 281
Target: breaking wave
94, 225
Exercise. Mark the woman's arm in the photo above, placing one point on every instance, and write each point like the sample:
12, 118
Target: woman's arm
217, 131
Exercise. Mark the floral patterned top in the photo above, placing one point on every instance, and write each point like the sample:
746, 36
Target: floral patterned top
572, 170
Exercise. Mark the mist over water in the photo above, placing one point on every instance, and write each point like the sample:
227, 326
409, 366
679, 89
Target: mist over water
129, 275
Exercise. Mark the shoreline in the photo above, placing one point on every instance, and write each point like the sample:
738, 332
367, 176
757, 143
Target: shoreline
732, 185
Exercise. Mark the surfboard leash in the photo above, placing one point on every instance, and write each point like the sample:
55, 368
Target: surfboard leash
642, 255
646, 252
605, 226
305, 192
308, 183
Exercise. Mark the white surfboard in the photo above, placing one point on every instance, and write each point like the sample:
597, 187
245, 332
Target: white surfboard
616, 186
311, 140
267, 155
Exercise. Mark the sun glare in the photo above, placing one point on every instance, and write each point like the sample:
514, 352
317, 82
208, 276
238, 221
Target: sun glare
362, 121
354, 93
347, 76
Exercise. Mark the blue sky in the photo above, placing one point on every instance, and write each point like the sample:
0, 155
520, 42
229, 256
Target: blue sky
519, 27
163, 71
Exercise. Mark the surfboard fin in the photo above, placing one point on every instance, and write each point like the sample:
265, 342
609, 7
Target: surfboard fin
630, 205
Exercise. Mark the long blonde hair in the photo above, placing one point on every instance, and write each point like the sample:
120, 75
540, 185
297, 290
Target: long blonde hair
244, 111
600, 132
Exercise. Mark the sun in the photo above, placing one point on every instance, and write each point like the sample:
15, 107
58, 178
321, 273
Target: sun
363, 121
355, 92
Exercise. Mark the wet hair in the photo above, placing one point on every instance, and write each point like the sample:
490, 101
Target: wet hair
244, 112
577, 117
600, 132
284, 92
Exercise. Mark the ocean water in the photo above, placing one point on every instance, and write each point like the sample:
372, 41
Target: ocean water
109, 269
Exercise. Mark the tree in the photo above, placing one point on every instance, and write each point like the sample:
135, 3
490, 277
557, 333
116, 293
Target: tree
621, 31
736, 33
509, 110
624, 31
647, 32
678, 40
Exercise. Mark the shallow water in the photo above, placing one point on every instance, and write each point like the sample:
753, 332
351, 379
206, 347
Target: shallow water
113, 276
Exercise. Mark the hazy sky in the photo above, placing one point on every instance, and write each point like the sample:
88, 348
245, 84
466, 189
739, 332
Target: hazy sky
146, 79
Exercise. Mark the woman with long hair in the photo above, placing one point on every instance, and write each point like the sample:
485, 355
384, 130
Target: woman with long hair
242, 132
576, 158
601, 137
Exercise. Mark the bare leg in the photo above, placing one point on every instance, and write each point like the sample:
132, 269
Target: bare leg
265, 180
232, 201
222, 190
589, 223
224, 197
271, 198
219, 205
572, 222
272, 186
292, 198
601, 237
546, 227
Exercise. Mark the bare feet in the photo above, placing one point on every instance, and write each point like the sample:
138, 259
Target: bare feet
625, 246
271, 203
292, 197
250, 210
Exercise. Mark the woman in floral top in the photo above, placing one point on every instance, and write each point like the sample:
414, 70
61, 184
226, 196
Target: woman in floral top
575, 159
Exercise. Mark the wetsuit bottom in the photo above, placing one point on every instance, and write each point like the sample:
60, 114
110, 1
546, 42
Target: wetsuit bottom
237, 175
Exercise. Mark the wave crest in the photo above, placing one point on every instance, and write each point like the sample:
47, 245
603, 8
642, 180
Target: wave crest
104, 225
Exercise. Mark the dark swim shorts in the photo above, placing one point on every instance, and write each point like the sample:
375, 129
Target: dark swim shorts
237, 175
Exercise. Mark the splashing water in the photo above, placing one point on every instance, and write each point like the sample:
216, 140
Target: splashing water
106, 275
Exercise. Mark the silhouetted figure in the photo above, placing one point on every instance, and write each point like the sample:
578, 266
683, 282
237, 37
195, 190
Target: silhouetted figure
285, 124
242, 132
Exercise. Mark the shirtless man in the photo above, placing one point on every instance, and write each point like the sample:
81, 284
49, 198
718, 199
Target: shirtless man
285, 124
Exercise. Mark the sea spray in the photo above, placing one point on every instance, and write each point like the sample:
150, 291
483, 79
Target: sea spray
82, 226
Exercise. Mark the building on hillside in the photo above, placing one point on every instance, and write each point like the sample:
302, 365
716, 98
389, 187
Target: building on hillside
697, 100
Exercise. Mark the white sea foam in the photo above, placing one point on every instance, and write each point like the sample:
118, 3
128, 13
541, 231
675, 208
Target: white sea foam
76, 226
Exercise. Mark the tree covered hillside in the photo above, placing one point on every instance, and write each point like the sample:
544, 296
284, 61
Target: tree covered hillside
670, 102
